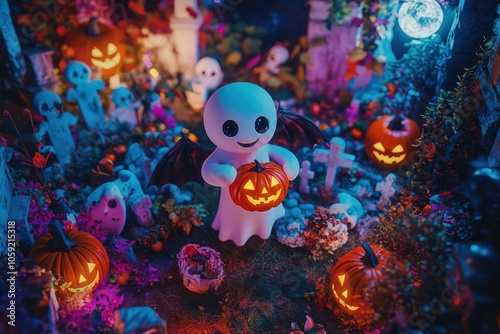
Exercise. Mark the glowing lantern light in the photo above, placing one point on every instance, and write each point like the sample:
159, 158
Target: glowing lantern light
420, 18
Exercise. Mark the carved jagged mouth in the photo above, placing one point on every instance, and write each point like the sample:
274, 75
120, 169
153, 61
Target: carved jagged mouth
107, 63
263, 200
387, 159
342, 302
89, 287
248, 145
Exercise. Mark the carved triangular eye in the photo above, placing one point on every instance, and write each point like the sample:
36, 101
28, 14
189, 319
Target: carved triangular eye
112, 48
91, 266
398, 149
82, 279
379, 146
249, 185
344, 294
264, 191
274, 182
96, 52
341, 279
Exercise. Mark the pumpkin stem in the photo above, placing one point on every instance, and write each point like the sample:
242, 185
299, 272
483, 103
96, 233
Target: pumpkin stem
258, 167
369, 259
60, 240
396, 123
93, 27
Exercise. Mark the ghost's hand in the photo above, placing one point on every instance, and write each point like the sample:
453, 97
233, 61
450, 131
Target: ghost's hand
218, 175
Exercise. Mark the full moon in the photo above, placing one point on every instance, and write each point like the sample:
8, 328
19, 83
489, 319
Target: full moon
420, 18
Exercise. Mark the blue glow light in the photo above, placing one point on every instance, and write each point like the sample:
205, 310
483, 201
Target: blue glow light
420, 18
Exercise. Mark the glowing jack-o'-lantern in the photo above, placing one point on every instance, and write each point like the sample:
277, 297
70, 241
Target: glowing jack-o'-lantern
259, 186
388, 140
355, 272
98, 45
76, 257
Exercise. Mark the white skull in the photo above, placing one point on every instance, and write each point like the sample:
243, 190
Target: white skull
209, 72
277, 55
349, 206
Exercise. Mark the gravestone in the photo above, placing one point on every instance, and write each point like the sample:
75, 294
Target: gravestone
19, 208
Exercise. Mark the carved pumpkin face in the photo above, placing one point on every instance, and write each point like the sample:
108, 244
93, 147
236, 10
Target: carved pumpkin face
388, 140
76, 257
98, 45
355, 271
259, 187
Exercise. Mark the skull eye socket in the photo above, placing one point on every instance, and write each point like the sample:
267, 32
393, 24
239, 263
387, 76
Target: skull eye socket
112, 48
398, 149
379, 146
249, 185
96, 53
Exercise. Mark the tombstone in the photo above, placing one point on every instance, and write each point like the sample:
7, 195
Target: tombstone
138, 163
41, 69
387, 190
11, 50
334, 158
305, 174
134, 197
6, 186
19, 208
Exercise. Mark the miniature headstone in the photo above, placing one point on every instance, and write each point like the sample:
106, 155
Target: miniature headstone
134, 197
56, 125
305, 174
41, 67
106, 207
11, 51
387, 190
6, 186
19, 208
86, 93
334, 158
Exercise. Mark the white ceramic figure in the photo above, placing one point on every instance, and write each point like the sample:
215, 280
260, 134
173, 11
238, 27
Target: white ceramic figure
86, 93
107, 208
240, 118
277, 55
134, 197
56, 124
349, 206
208, 76
387, 190
125, 107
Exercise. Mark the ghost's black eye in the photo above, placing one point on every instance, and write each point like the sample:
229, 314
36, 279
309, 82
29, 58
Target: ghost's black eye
230, 128
85, 70
130, 97
213, 74
75, 74
261, 124
204, 73
45, 107
57, 105
112, 203
122, 99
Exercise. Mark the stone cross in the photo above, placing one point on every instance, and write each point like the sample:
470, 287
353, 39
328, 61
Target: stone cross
387, 190
334, 158
305, 175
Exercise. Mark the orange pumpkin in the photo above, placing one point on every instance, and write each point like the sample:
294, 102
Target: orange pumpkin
389, 139
76, 257
98, 45
157, 246
259, 186
355, 271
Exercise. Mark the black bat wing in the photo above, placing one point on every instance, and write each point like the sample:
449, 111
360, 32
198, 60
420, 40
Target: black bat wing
181, 164
294, 131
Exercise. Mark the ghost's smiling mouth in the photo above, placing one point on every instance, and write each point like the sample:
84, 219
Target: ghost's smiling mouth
247, 144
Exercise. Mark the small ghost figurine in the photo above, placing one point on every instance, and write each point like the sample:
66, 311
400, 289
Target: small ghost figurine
386, 189
208, 77
125, 108
56, 124
86, 93
240, 118
277, 55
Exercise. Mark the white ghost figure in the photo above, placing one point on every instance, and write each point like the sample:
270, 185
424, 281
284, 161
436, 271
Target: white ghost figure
349, 206
107, 208
56, 124
277, 55
208, 77
240, 118
125, 108
86, 93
